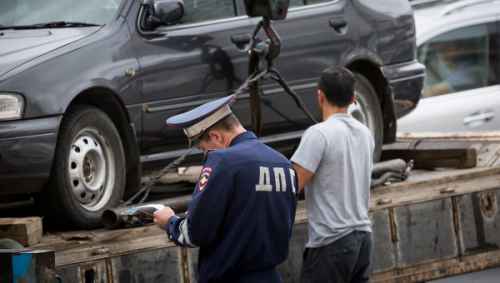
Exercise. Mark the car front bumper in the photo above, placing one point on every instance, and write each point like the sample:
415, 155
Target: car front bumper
406, 81
27, 149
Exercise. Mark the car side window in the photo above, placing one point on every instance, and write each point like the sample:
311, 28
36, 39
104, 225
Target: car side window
458, 60
242, 12
312, 2
205, 10
297, 3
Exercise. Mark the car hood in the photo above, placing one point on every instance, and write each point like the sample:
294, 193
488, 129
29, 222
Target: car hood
21, 46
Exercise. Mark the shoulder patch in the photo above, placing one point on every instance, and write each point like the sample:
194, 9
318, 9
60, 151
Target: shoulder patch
205, 174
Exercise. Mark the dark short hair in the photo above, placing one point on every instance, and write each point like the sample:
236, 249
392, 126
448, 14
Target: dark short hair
228, 123
337, 83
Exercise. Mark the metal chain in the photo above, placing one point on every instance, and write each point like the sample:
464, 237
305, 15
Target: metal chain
146, 188
254, 77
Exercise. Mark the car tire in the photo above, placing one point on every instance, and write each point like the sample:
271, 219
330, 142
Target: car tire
89, 169
368, 111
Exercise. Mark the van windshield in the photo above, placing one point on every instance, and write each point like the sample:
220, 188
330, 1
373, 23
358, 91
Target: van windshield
25, 13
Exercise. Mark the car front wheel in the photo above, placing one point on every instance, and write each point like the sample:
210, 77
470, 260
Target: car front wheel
89, 168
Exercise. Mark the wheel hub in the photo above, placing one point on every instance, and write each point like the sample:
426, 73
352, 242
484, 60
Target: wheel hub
87, 168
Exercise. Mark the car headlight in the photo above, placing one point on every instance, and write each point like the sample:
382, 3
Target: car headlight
11, 106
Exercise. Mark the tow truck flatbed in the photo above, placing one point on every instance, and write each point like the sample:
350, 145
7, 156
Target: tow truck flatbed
436, 224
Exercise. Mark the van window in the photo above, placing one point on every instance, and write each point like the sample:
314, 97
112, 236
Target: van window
242, 12
205, 10
312, 2
459, 60
296, 3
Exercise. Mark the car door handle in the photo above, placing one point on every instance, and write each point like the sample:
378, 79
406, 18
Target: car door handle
241, 40
479, 118
339, 25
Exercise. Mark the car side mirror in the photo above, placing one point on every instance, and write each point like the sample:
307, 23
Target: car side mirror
162, 12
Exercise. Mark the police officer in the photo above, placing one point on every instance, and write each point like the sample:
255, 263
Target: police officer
243, 206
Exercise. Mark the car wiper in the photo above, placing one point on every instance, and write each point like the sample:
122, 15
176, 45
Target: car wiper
58, 24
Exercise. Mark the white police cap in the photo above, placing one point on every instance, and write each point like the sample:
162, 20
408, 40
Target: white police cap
196, 121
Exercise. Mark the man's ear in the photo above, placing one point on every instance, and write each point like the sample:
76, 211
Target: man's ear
354, 98
217, 136
321, 97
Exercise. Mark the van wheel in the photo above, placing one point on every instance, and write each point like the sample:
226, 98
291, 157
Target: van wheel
89, 168
367, 110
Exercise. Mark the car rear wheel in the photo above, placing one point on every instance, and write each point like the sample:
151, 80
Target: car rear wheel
367, 110
89, 168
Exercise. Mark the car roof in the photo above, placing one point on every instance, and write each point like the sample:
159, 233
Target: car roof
436, 17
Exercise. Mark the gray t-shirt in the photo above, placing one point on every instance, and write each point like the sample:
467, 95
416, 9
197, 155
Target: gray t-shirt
339, 151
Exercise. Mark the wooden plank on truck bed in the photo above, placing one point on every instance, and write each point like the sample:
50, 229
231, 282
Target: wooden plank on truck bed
428, 154
487, 144
439, 269
27, 231
84, 246
459, 182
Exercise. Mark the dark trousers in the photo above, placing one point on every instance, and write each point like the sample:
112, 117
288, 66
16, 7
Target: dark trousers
259, 276
347, 260
267, 276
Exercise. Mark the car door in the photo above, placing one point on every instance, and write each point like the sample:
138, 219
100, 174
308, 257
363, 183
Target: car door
462, 91
315, 35
190, 63
185, 65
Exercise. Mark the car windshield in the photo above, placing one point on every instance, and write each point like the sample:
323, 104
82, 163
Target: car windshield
15, 13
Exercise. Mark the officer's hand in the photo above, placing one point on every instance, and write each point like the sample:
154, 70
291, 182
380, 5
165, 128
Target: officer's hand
162, 216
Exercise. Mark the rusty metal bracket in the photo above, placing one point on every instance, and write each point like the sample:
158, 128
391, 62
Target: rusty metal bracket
184, 265
457, 224
393, 225
384, 201
447, 190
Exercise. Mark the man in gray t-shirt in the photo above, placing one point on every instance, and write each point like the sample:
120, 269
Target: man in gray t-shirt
334, 162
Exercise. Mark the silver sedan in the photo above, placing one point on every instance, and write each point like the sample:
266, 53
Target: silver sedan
459, 43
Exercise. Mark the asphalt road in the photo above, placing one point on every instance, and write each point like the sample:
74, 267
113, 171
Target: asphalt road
485, 276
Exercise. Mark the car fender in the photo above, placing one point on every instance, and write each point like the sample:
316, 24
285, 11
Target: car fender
370, 65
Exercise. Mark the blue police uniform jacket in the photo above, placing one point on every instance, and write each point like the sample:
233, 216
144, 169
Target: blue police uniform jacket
242, 213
